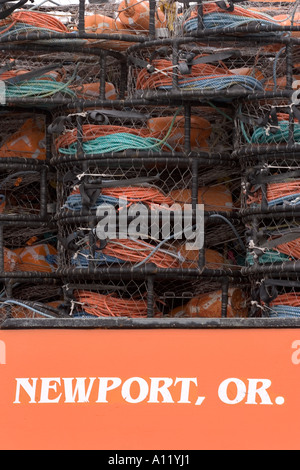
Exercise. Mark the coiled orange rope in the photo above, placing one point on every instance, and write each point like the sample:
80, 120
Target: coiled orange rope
36, 19
111, 305
275, 191
90, 132
164, 72
149, 195
132, 251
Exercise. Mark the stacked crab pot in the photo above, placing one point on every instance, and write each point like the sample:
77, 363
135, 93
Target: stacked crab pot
157, 118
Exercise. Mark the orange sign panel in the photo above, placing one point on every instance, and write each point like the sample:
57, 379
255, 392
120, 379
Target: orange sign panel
150, 389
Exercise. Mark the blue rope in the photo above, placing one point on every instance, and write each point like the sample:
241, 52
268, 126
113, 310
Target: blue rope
285, 311
82, 258
224, 20
74, 202
212, 83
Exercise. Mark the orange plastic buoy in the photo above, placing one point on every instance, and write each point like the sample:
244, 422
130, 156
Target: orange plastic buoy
28, 142
213, 259
136, 15
92, 91
200, 130
38, 258
209, 304
213, 197
285, 20
99, 24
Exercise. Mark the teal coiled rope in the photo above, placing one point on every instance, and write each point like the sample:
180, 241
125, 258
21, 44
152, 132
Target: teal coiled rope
116, 143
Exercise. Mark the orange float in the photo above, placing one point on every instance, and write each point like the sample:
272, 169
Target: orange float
92, 91
209, 305
135, 15
28, 142
285, 20
213, 197
99, 24
40, 258
213, 259
200, 130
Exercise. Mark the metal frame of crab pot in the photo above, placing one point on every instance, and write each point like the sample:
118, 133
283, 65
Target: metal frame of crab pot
180, 94
262, 152
81, 32
109, 282
192, 161
60, 101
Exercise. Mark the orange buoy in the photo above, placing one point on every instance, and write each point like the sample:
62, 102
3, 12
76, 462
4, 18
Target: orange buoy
92, 91
99, 24
213, 197
135, 15
210, 304
28, 142
199, 133
285, 20
213, 259
39, 258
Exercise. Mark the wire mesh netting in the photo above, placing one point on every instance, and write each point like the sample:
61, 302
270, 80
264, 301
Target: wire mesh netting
276, 297
144, 130
213, 68
28, 249
246, 17
124, 121
198, 298
269, 125
111, 24
47, 76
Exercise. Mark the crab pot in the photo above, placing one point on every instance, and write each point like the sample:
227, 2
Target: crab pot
40, 298
270, 182
276, 296
114, 299
218, 68
157, 130
48, 76
272, 239
266, 127
27, 250
242, 18
113, 25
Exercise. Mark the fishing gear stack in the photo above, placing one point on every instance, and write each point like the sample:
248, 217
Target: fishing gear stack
148, 108
139, 156
27, 240
267, 145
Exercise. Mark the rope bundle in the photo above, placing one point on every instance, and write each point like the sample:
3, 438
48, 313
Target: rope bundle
149, 195
287, 193
201, 77
27, 21
111, 305
286, 305
128, 250
214, 17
